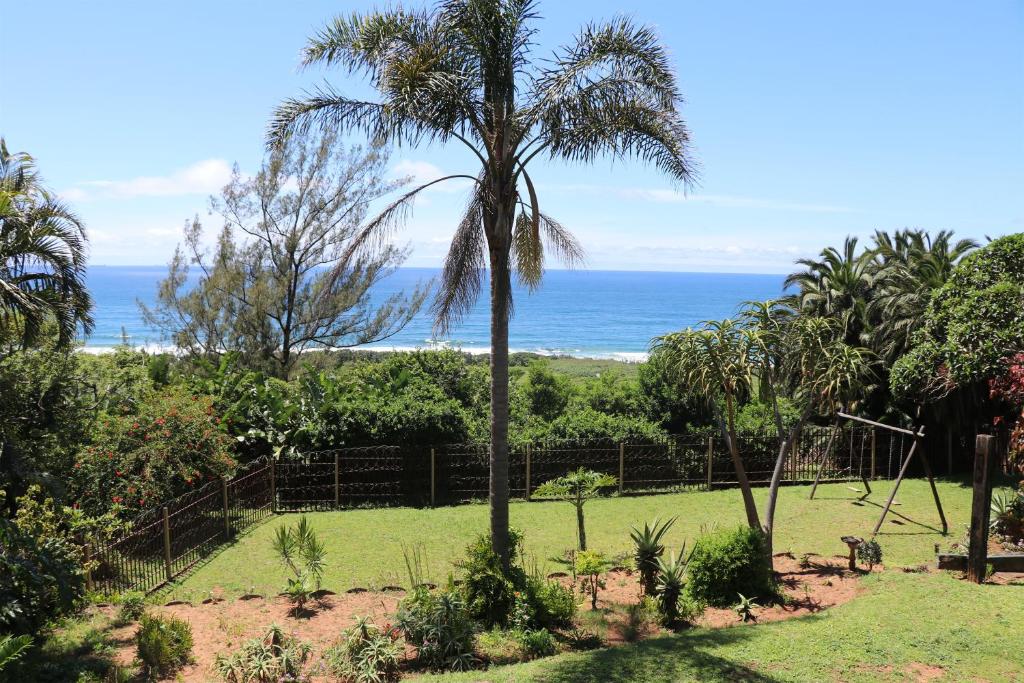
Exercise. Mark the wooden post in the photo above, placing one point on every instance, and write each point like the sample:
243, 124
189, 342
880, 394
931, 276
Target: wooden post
935, 492
711, 458
273, 486
87, 561
984, 460
433, 476
836, 428
896, 485
337, 480
949, 450
874, 444
622, 465
529, 449
227, 514
167, 544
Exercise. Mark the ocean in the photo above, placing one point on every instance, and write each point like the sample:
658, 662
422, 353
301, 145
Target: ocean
584, 313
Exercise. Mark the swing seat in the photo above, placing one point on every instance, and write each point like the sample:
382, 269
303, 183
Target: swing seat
854, 489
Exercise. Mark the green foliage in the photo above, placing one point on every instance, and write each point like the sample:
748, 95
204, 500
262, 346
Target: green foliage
490, 592
745, 608
133, 606
537, 643
440, 627
576, 487
164, 644
273, 657
1007, 513
727, 562
590, 565
553, 604
12, 648
869, 553
648, 549
172, 445
547, 393
366, 653
758, 417
671, 581
299, 549
641, 620
589, 425
41, 579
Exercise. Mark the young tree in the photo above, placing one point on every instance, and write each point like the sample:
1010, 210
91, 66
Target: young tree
42, 258
285, 275
576, 487
462, 72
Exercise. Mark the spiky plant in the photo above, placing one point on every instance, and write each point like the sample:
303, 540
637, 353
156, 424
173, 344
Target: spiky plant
670, 583
463, 72
648, 549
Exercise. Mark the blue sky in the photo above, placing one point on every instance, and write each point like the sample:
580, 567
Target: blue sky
811, 121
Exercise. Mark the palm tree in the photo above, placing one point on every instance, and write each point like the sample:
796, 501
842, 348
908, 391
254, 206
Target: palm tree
462, 72
42, 256
909, 265
838, 285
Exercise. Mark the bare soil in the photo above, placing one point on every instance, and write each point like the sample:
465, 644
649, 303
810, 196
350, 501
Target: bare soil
221, 626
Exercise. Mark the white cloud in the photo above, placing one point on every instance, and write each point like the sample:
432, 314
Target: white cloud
203, 177
663, 195
424, 172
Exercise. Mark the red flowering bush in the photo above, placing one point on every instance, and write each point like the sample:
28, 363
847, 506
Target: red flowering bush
1009, 388
173, 444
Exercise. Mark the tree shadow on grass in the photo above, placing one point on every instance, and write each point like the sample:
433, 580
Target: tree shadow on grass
687, 656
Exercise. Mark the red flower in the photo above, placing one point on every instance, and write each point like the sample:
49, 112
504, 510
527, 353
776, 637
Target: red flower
117, 472
117, 499
160, 421
78, 465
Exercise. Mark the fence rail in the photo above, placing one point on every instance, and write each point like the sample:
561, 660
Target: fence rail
163, 543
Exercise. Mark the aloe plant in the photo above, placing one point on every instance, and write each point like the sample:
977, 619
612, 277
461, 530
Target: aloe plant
648, 549
670, 582
745, 608
303, 553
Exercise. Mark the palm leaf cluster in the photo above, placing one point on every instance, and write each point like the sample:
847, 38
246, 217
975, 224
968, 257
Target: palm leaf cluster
42, 256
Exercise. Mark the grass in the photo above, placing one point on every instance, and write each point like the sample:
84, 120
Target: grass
364, 547
904, 623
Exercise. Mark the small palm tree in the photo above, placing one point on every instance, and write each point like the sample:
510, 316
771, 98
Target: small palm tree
42, 257
577, 487
462, 72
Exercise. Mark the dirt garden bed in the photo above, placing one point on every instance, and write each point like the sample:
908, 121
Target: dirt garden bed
223, 625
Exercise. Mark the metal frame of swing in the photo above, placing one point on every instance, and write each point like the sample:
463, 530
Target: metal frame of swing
917, 435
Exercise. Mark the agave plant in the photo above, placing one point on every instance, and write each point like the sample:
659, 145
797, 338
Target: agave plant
670, 583
745, 608
648, 549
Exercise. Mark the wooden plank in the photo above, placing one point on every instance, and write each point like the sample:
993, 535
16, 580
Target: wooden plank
227, 514
879, 424
529, 454
433, 475
711, 458
984, 461
896, 486
622, 465
167, 545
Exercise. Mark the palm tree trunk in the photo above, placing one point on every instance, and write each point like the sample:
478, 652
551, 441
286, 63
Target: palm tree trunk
741, 472
500, 295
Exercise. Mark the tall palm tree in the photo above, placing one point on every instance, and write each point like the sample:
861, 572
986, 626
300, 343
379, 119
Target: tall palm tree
909, 266
462, 72
837, 285
42, 256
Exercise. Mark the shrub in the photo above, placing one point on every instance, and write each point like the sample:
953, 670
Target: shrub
537, 643
648, 549
641, 619
41, 579
272, 658
869, 553
670, 582
728, 562
303, 553
489, 591
366, 654
12, 648
439, 627
164, 644
553, 604
590, 564
133, 606
172, 445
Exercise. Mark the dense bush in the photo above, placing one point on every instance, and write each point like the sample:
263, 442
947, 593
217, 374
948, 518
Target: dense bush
172, 445
727, 562
440, 627
490, 592
553, 604
41, 579
164, 644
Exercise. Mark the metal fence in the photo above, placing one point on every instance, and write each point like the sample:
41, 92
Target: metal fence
165, 542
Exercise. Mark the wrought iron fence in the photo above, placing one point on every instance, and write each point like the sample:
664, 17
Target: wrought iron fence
165, 542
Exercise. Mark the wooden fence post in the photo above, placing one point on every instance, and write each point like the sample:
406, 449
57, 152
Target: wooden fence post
977, 553
949, 450
874, 443
433, 476
622, 465
273, 486
167, 545
711, 458
227, 514
529, 448
337, 480
87, 561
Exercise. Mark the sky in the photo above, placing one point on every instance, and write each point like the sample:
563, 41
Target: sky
811, 121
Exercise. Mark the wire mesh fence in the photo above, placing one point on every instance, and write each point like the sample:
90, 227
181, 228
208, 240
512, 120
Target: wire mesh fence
167, 541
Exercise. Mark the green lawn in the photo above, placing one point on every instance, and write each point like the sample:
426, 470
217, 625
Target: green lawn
365, 546
902, 623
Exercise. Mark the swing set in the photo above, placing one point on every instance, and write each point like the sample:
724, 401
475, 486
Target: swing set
917, 436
